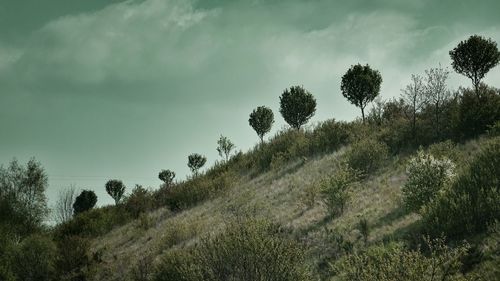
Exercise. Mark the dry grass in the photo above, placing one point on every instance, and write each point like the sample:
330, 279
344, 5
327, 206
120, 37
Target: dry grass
277, 195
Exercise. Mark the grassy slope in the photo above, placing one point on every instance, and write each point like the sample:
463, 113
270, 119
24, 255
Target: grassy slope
277, 195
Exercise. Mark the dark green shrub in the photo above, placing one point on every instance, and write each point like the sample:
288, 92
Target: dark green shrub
195, 162
328, 136
73, 258
472, 201
115, 189
139, 201
84, 202
476, 114
393, 262
34, 259
246, 251
366, 156
335, 190
94, 222
198, 189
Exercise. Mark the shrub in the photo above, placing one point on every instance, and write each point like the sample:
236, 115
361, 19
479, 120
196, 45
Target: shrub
139, 201
471, 202
73, 258
476, 114
198, 189
426, 177
84, 202
115, 189
329, 136
335, 191
195, 162
34, 259
366, 155
246, 251
93, 222
167, 176
393, 262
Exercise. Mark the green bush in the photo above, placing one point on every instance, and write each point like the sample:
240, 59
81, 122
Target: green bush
393, 262
73, 258
426, 177
246, 251
472, 201
139, 201
94, 222
477, 113
34, 259
198, 189
366, 156
328, 136
335, 190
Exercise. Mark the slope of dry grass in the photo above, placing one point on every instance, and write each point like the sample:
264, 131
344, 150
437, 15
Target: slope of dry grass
277, 195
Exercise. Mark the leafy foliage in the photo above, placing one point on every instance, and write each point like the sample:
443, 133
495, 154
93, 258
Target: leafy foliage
393, 262
474, 57
471, 202
195, 162
84, 202
360, 85
297, 106
167, 176
224, 147
34, 259
22, 196
261, 120
335, 190
366, 156
476, 115
427, 176
115, 189
246, 251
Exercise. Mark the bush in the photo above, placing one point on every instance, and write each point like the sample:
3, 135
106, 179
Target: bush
335, 191
472, 201
198, 189
476, 114
251, 250
366, 156
139, 201
393, 262
329, 136
426, 177
93, 222
73, 258
34, 259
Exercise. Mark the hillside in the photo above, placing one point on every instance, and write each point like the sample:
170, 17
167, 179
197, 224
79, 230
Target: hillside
277, 195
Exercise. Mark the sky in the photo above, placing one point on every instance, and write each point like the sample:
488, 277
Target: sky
104, 89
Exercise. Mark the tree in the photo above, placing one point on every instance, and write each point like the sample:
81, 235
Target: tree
84, 202
261, 119
474, 57
115, 189
22, 195
414, 97
224, 147
195, 162
167, 177
436, 93
297, 106
361, 85
63, 210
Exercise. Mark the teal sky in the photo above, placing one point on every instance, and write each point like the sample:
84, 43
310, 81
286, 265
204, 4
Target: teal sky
102, 89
